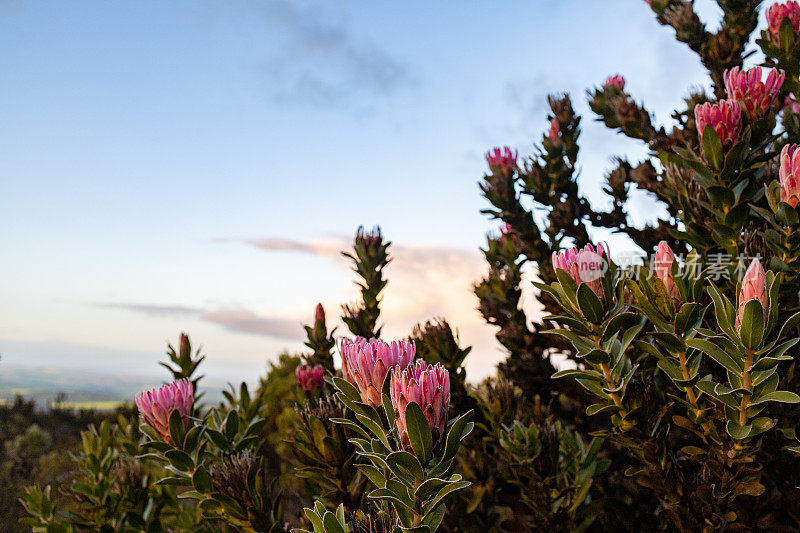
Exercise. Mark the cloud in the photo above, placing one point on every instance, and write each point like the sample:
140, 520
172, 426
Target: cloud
152, 309
320, 61
234, 319
246, 321
424, 282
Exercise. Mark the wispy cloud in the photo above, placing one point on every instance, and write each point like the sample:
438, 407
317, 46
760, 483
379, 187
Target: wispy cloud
246, 321
152, 309
317, 59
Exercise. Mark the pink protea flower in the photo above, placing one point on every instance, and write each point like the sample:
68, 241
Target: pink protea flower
365, 364
616, 81
775, 15
754, 287
790, 174
155, 405
310, 378
555, 131
725, 117
584, 266
502, 161
429, 387
746, 87
663, 269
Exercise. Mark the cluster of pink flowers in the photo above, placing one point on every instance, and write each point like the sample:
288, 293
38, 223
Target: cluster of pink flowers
747, 88
754, 287
616, 82
310, 378
775, 15
502, 162
584, 266
365, 364
429, 387
790, 174
155, 406
663, 269
725, 117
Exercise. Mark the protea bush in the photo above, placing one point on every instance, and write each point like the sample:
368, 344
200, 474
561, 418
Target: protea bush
656, 394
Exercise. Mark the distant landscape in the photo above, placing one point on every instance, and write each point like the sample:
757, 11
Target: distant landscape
79, 389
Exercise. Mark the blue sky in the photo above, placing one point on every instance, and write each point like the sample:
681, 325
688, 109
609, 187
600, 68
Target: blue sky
194, 165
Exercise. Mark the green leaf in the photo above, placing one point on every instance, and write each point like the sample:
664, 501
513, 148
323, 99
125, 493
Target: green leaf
180, 460
231, 426
717, 354
752, 326
712, 148
780, 396
575, 373
736, 431
590, 304
419, 432
176, 428
445, 491
459, 429
201, 480
405, 466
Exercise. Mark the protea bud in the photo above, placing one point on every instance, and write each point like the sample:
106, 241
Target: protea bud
502, 161
555, 131
754, 287
310, 378
185, 347
365, 364
615, 82
584, 266
747, 88
156, 405
790, 174
319, 314
775, 15
429, 387
725, 117
663, 269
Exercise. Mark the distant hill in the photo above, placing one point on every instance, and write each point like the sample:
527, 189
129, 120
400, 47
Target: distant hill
82, 389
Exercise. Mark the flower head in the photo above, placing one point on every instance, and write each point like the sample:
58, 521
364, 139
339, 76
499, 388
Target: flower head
584, 266
746, 87
725, 117
310, 378
775, 15
754, 287
663, 269
365, 364
502, 161
155, 405
790, 174
616, 82
429, 387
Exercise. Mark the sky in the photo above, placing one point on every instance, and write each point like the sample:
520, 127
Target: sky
196, 165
